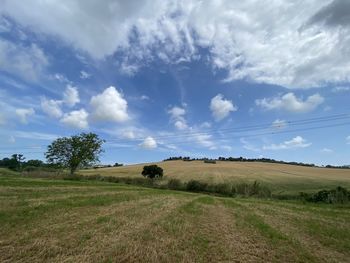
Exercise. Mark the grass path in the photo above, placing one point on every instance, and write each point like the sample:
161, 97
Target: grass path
62, 221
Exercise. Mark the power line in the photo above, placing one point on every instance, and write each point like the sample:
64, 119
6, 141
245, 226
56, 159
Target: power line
226, 131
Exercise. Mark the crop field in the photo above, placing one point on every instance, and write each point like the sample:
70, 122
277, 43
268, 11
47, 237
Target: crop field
45, 220
280, 178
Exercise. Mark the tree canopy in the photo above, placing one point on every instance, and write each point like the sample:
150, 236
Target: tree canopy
152, 171
75, 151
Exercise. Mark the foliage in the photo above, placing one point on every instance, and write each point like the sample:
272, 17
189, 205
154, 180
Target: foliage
75, 151
196, 186
339, 195
118, 164
152, 171
175, 184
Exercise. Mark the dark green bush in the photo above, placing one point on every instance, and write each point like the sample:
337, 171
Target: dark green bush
152, 171
175, 184
196, 186
339, 195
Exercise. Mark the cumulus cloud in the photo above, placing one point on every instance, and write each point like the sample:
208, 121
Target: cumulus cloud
177, 117
51, 107
71, 96
109, 106
290, 102
221, 107
149, 143
272, 43
296, 142
27, 62
76, 119
23, 114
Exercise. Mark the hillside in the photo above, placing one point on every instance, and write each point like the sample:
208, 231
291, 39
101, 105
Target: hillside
281, 178
68, 221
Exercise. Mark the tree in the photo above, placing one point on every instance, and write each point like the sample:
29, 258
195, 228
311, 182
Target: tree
152, 171
75, 151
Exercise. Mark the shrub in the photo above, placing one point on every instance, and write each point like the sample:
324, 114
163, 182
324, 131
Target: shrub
339, 195
152, 171
175, 184
224, 189
196, 186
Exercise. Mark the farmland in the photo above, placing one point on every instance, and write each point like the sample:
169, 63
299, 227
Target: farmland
71, 221
280, 178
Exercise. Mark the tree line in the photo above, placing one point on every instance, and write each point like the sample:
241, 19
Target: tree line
242, 159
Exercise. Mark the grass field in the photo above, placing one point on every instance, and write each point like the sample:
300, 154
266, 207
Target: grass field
280, 178
72, 221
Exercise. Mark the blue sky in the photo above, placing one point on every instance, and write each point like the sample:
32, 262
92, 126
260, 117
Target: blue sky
169, 78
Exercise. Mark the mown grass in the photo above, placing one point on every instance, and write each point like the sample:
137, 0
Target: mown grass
86, 221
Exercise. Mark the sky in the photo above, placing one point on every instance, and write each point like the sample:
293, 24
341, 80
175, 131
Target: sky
165, 78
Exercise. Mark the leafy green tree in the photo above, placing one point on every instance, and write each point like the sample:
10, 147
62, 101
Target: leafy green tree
75, 151
152, 171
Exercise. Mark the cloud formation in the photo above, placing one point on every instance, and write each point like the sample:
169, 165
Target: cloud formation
71, 96
177, 117
267, 42
221, 107
109, 106
27, 62
23, 114
149, 143
296, 142
291, 103
76, 119
51, 107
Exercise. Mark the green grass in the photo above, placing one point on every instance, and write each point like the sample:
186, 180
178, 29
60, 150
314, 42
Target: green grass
85, 221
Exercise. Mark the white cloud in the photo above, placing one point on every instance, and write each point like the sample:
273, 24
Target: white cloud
71, 96
203, 140
144, 97
290, 102
27, 62
76, 119
51, 107
61, 78
348, 139
84, 75
149, 143
177, 116
109, 106
23, 114
221, 107
296, 142
177, 112
128, 134
205, 125
340, 89
279, 124
327, 150
273, 43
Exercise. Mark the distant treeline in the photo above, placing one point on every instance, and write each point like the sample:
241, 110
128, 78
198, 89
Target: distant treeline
242, 159
17, 162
